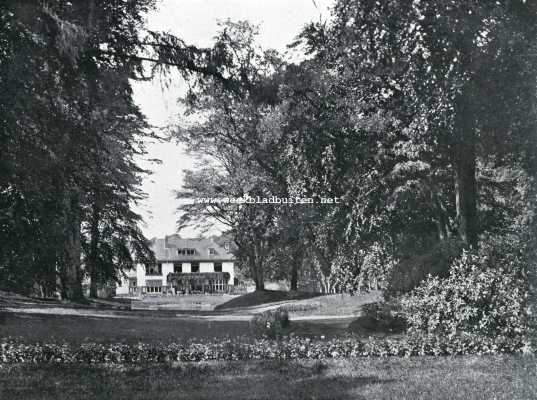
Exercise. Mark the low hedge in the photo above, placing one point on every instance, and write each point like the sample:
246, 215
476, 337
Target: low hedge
245, 348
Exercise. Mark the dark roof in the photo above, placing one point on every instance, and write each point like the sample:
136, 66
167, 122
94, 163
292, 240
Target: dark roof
167, 249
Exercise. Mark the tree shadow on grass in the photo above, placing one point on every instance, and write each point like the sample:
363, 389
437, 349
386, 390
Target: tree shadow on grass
260, 297
268, 380
281, 379
367, 325
270, 387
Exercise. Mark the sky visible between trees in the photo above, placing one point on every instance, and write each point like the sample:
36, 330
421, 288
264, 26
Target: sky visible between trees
196, 22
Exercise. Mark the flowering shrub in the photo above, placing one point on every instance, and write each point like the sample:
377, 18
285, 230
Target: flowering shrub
245, 348
271, 323
484, 294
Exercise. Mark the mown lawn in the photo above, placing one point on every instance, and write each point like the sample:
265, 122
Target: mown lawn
43, 328
261, 297
155, 326
300, 303
131, 328
469, 377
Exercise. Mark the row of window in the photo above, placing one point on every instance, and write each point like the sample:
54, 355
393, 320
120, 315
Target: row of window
186, 252
153, 285
156, 269
191, 252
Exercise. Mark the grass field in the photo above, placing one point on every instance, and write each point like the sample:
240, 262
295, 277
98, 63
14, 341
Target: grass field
263, 297
73, 329
44, 328
506, 377
465, 377
167, 325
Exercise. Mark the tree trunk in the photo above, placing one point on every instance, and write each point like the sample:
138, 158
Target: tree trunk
465, 175
94, 287
295, 265
259, 279
259, 283
72, 277
294, 276
256, 269
93, 259
258, 265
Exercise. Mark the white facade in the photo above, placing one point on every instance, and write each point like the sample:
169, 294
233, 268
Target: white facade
139, 274
181, 256
230, 268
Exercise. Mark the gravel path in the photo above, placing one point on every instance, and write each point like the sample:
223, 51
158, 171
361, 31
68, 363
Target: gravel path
242, 315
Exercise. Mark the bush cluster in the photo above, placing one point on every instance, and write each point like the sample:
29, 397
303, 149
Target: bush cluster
245, 348
271, 323
485, 294
369, 270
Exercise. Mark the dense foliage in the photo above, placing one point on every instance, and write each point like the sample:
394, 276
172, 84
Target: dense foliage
244, 348
70, 137
70, 133
485, 294
419, 117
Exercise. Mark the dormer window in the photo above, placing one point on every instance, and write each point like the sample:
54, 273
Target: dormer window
226, 246
212, 251
186, 252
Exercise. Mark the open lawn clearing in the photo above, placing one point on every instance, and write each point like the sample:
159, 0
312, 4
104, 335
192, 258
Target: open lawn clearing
333, 304
78, 329
52, 321
300, 304
262, 297
134, 328
468, 377
296, 303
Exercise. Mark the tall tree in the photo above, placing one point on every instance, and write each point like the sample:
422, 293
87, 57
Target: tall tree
438, 89
70, 131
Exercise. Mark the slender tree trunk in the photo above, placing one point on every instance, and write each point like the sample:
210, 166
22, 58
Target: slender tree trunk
465, 174
294, 275
72, 277
93, 255
256, 269
94, 284
257, 263
295, 265
259, 280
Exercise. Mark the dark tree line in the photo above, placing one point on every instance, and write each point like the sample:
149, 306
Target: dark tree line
419, 116
69, 136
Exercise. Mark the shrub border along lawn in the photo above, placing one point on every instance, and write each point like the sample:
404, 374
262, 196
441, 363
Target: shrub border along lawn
246, 348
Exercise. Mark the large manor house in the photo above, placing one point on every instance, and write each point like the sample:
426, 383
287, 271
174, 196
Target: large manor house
183, 266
